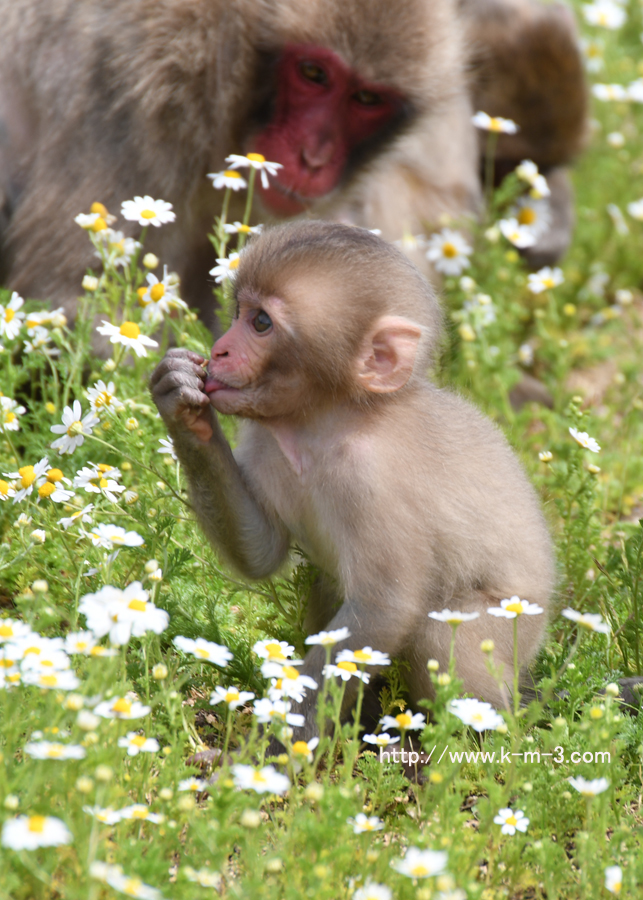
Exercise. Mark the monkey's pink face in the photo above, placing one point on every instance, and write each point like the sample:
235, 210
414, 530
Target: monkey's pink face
323, 112
240, 357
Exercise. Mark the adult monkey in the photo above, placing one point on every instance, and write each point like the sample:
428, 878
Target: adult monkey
105, 99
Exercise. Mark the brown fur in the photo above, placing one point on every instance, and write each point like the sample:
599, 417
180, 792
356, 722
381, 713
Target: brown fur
406, 497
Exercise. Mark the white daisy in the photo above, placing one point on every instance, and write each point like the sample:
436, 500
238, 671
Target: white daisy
107, 816
6, 490
539, 188
613, 879
494, 123
110, 536
635, 91
9, 412
589, 621
160, 298
380, 740
303, 750
99, 479
139, 811
240, 228
49, 750
81, 516
453, 618
228, 179
534, 213
449, 252
584, 440
610, 92
192, 784
589, 788
167, 448
31, 832
366, 656
11, 318
361, 823
40, 341
328, 638
102, 398
129, 335
520, 236
267, 711
545, 279
345, 670
74, 428
254, 161
404, 721
121, 708
513, 607
592, 50
116, 249
27, 478
511, 821
421, 863
52, 680
635, 209
226, 268
478, 715
132, 886
287, 681
275, 651
263, 781
604, 14
147, 211
373, 891
230, 695
206, 651
12, 629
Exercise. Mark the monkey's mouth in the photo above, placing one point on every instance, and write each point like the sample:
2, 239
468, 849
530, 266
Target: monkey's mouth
212, 385
283, 200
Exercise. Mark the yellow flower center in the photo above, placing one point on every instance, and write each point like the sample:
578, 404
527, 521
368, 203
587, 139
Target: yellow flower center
476, 717
99, 225
234, 263
596, 712
142, 291
34, 650
27, 476
290, 672
495, 124
36, 824
6, 630
244, 229
75, 429
148, 214
54, 475
420, 871
274, 651
4, 490
347, 666
204, 654
9, 417
301, 748
7, 663
549, 282
138, 605
103, 399
362, 655
102, 482
449, 250
258, 778
256, 157
122, 705
132, 887
9, 314
55, 751
231, 173
130, 330
139, 812
99, 208
231, 696
103, 467
31, 323
527, 216
95, 651
81, 645
403, 720
46, 489
49, 680
515, 607
511, 820
139, 740
157, 291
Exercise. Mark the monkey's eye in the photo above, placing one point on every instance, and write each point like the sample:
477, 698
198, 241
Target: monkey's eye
262, 322
367, 98
313, 72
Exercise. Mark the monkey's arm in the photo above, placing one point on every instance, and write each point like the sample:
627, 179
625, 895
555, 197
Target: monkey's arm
254, 542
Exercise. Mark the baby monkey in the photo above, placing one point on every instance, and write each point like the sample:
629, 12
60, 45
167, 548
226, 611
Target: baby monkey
402, 493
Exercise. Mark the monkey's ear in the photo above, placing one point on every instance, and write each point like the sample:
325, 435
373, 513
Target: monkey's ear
386, 359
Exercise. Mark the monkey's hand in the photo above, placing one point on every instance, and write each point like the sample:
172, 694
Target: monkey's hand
177, 388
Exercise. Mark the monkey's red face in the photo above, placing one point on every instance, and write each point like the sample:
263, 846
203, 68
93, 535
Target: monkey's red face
323, 113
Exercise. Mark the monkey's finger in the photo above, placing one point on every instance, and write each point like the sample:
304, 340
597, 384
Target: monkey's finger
178, 352
178, 389
178, 365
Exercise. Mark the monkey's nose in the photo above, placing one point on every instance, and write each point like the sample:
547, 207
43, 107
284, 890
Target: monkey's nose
319, 156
